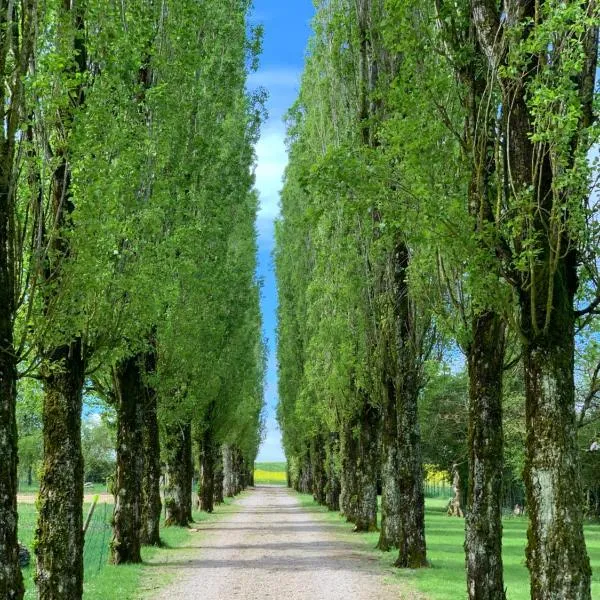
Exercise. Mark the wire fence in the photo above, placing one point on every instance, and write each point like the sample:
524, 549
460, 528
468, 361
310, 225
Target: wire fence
97, 538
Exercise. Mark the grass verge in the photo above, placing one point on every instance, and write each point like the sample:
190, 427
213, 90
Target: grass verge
103, 581
446, 579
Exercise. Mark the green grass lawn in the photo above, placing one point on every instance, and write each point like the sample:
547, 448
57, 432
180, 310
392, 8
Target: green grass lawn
270, 473
445, 580
107, 582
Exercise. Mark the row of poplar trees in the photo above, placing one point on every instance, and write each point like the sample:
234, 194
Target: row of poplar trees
441, 185
127, 261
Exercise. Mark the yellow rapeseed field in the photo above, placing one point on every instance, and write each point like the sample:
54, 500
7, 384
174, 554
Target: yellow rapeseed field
272, 477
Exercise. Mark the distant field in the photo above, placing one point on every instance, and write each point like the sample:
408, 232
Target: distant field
271, 473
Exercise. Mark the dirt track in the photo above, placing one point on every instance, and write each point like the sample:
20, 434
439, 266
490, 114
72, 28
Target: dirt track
273, 548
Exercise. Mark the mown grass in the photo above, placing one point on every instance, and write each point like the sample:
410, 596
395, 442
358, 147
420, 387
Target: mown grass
103, 581
270, 473
445, 580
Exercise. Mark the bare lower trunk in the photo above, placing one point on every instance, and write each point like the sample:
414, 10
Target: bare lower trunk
318, 457
127, 514
391, 509
556, 553
59, 533
11, 582
455, 506
333, 488
207, 476
483, 543
240, 478
178, 488
412, 549
306, 478
228, 471
349, 459
367, 468
151, 503
219, 477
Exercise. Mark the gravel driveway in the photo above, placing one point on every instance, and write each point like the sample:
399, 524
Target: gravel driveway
273, 548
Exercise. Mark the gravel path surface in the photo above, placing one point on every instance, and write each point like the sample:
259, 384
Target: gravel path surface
274, 548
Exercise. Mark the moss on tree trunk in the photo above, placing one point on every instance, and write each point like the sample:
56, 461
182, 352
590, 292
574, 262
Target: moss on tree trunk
11, 582
389, 536
178, 487
556, 553
59, 533
219, 477
229, 487
348, 479
208, 452
318, 467
151, 502
367, 468
127, 514
333, 487
483, 542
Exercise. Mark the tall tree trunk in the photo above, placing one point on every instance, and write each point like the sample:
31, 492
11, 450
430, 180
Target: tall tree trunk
318, 457
367, 468
11, 582
151, 503
306, 476
127, 517
556, 553
59, 533
207, 476
391, 508
228, 471
219, 477
15, 52
409, 350
178, 488
349, 474
333, 487
483, 543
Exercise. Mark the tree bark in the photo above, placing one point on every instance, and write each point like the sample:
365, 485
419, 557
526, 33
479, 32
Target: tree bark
127, 514
219, 477
318, 457
207, 476
333, 487
367, 468
11, 99
349, 459
229, 487
556, 553
59, 532
306, 477
483, 542
11, 582
151, 502
391, 508
178, 488
408, 352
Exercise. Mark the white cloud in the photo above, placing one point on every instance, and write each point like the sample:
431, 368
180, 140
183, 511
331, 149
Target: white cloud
270, 450
271, 162
275, 78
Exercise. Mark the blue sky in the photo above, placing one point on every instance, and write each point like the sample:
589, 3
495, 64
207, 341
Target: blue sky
286, 34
